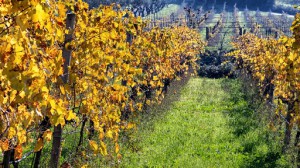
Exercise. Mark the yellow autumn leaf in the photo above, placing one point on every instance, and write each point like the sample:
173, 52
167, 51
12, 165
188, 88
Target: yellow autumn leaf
281, 60
103, 149
62, 90
47, 135
52, 103
93, 145
60, 120
117, 87
111, 13
116, 24
126, 67
11, 132
152, 83
39, 145
117, 148
39, 15
114, 34
45, 89
70, 115
85, 86
262, 78
35, 71
140, 106
139, 71
293, 56
22, 94
101, 134
109, 134
21, 135
130, 125
157, 67
155, 78
59, 33
49, 26
109, 59
61, 10
84, 166
3, 10
19, 50
159, 83
104, 36
18, 152
4, 145
12, 96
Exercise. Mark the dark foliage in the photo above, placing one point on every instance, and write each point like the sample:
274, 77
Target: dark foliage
215, 65
139, 8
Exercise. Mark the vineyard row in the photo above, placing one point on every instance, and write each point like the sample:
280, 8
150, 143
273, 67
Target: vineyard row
64, 65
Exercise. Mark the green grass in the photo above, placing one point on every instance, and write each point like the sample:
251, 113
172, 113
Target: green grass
210, 125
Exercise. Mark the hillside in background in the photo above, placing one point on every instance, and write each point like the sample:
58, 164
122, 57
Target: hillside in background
286, 5
264, 5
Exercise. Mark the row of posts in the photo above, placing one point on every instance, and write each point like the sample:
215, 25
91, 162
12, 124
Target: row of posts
209, 31
242, 31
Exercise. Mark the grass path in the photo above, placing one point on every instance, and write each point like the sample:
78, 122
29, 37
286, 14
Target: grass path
209, 125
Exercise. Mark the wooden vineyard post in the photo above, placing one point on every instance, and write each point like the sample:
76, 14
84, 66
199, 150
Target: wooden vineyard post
6, 158
45, 124
154, 19
276, 35
57, 134
288, 127
151, 19
167, 22
207, 33
129, 36
66, 52
240, 31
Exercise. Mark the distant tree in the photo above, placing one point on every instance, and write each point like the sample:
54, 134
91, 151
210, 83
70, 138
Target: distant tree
138, 7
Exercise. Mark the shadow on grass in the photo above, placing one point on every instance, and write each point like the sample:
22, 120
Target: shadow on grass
150, 115
249, 126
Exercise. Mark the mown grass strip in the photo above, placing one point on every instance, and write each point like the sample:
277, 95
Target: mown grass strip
210, 125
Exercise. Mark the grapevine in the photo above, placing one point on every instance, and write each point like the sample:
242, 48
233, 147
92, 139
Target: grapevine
108, 77
274, 64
